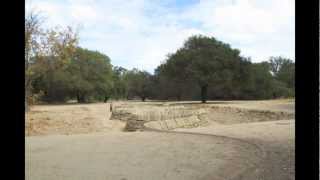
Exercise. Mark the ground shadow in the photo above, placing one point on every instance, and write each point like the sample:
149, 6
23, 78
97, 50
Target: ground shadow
200, 103
66, 103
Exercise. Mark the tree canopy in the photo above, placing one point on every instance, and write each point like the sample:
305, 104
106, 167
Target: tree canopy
58, 70
204, 61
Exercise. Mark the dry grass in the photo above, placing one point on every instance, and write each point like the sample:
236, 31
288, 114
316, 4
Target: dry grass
68, 119
193, 114
233, 115
89, 118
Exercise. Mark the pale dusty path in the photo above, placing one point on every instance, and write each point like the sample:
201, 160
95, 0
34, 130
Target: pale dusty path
151, 155
276, 138
137, 156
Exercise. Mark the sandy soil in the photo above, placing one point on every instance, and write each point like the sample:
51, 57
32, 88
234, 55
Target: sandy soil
136, 156
249, 144
276, 138
70, 119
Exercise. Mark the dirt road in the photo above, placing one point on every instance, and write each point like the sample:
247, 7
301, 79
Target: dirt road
251, 151
275, 138
137, 155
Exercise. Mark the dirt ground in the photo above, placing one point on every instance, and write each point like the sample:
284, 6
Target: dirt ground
137, 155
275, 138
186, 140
70, 119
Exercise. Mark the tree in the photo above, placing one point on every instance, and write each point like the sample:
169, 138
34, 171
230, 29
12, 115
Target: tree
86, 76
283, 70
139, 83
243, 80
120, 86
263, 81
277, 62
174, 83
205, 61
90, 75
33, 22
286, 74
49, 62
47, 52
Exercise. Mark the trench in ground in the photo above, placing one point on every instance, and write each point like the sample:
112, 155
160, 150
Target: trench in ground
182, 116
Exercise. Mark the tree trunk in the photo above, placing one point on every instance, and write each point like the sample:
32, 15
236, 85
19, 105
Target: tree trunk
80, 98
179, 97
106, 98
143, 98
204, 93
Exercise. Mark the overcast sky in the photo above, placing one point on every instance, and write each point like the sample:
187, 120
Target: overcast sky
139, 33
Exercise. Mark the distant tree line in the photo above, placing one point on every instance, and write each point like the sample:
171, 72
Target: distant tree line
58, 70
205, 68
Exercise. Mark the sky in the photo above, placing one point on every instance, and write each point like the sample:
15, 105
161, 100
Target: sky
140, 33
